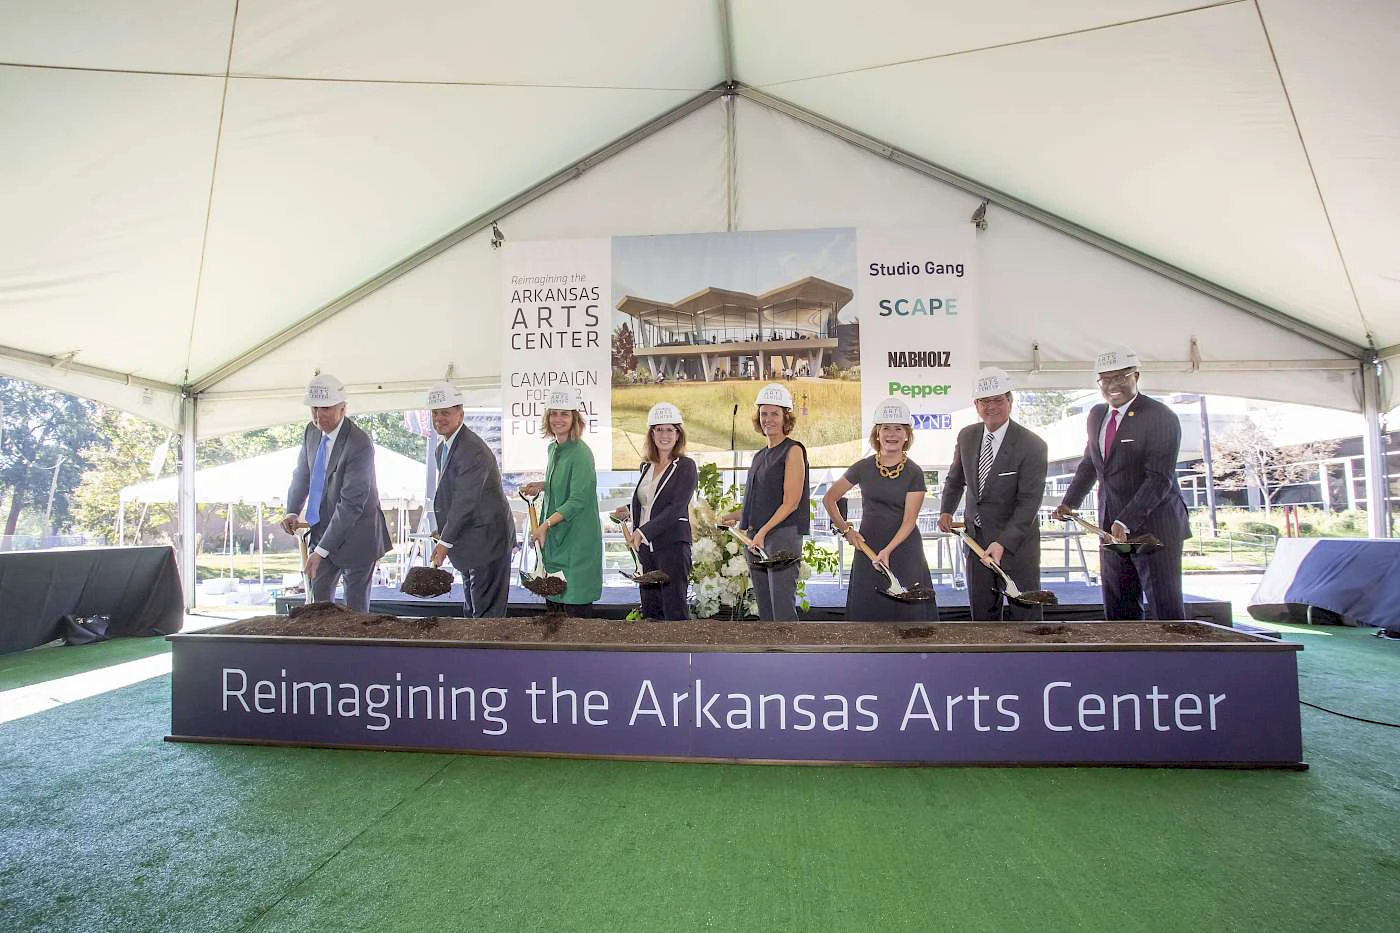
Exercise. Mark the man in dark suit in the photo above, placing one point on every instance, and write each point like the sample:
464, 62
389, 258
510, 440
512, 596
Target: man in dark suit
334, 479
1002, 467
475, 528
1134, 444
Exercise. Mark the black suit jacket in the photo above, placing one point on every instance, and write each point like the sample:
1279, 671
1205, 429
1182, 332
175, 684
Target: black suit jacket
1015, 490
1137, 483
470, 505
351, 526
670, 511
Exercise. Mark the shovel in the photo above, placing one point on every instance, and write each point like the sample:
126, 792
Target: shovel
302, 530
650, 577
1145, 542
1013, 592
426, 581
537, 581
764, 562
918, 593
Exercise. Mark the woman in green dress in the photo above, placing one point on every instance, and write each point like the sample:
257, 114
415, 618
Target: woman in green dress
570, 534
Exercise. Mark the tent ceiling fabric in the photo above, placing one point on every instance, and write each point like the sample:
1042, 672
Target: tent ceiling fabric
195, 176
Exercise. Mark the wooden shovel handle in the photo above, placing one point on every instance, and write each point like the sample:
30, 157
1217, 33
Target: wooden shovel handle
1088, 525
971, 543
864, 548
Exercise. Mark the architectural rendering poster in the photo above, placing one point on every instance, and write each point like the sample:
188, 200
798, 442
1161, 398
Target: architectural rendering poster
842, 317
556, 337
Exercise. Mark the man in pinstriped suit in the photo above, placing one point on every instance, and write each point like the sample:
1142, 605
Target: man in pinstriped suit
1000, 512
1134, 443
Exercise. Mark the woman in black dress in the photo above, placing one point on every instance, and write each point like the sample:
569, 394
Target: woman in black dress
775, 512
892, 490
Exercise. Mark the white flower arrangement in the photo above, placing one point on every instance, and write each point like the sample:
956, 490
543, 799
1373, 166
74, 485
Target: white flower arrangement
719, 573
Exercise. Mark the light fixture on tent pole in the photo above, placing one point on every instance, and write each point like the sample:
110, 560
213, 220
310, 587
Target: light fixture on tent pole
497, 237
979, 216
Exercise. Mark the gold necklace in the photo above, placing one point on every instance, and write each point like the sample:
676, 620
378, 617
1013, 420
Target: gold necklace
894, 471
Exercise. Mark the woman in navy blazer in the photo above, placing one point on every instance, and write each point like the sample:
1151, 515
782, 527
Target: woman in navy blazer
661, 511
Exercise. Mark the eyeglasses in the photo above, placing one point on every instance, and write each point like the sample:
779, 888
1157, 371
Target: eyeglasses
1117, 378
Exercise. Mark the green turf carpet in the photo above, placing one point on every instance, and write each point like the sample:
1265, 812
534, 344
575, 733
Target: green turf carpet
103, 826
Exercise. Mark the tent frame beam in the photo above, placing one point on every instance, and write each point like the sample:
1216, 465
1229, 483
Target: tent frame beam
185, 510
1374, 452
67, 364
1053, 221
467, 230
731, 90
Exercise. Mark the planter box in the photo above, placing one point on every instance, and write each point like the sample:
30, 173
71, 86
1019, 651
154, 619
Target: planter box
1194, 704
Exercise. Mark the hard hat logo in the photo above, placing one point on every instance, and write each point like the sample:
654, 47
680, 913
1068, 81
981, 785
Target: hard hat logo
663, 413
324, 390
893, 411
991, 382
1117, 358
564, 400
444, 395
774, 394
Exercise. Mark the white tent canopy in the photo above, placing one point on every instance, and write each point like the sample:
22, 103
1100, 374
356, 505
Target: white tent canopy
207, 199
191, 184
264, 479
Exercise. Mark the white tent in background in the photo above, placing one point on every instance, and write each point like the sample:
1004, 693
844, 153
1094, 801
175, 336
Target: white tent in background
263, 480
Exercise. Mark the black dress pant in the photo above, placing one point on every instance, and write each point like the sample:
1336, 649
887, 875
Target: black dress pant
1147, 577
667, 601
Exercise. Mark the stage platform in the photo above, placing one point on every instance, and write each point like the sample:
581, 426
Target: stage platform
1078, 602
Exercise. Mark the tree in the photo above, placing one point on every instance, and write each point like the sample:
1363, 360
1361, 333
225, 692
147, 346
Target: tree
1246, 456
624, 350
122, 456
233, 447
41, 455
388, 430
1039, 408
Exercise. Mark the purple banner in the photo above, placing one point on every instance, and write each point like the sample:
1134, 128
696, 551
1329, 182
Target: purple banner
1025, 707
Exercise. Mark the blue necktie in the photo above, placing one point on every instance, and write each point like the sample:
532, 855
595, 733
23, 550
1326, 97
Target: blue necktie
318, 482
442, 456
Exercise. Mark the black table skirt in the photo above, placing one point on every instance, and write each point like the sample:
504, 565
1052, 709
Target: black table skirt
139, 587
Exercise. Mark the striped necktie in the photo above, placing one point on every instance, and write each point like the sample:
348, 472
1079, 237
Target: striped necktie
984, 469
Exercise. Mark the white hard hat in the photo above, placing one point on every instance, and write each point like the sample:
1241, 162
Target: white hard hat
991, 382
774, 394
663, 413
444, 395
323, 391
893, 411
564, 400
1117, 358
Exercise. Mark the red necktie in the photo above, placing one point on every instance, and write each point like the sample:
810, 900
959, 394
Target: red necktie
1110, 434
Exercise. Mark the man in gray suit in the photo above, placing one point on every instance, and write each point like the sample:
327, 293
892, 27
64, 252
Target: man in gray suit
1134, 443
475, 528
334, 479
1002, 466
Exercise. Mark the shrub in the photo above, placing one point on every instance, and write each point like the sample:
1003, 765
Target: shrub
1259, 528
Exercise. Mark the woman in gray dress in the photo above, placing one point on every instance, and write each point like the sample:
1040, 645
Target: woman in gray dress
776, 498
892, 490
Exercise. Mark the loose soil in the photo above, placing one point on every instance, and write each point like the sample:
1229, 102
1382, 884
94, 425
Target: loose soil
326, 620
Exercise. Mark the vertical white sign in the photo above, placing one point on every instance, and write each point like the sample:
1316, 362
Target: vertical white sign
557, 336
918, 328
